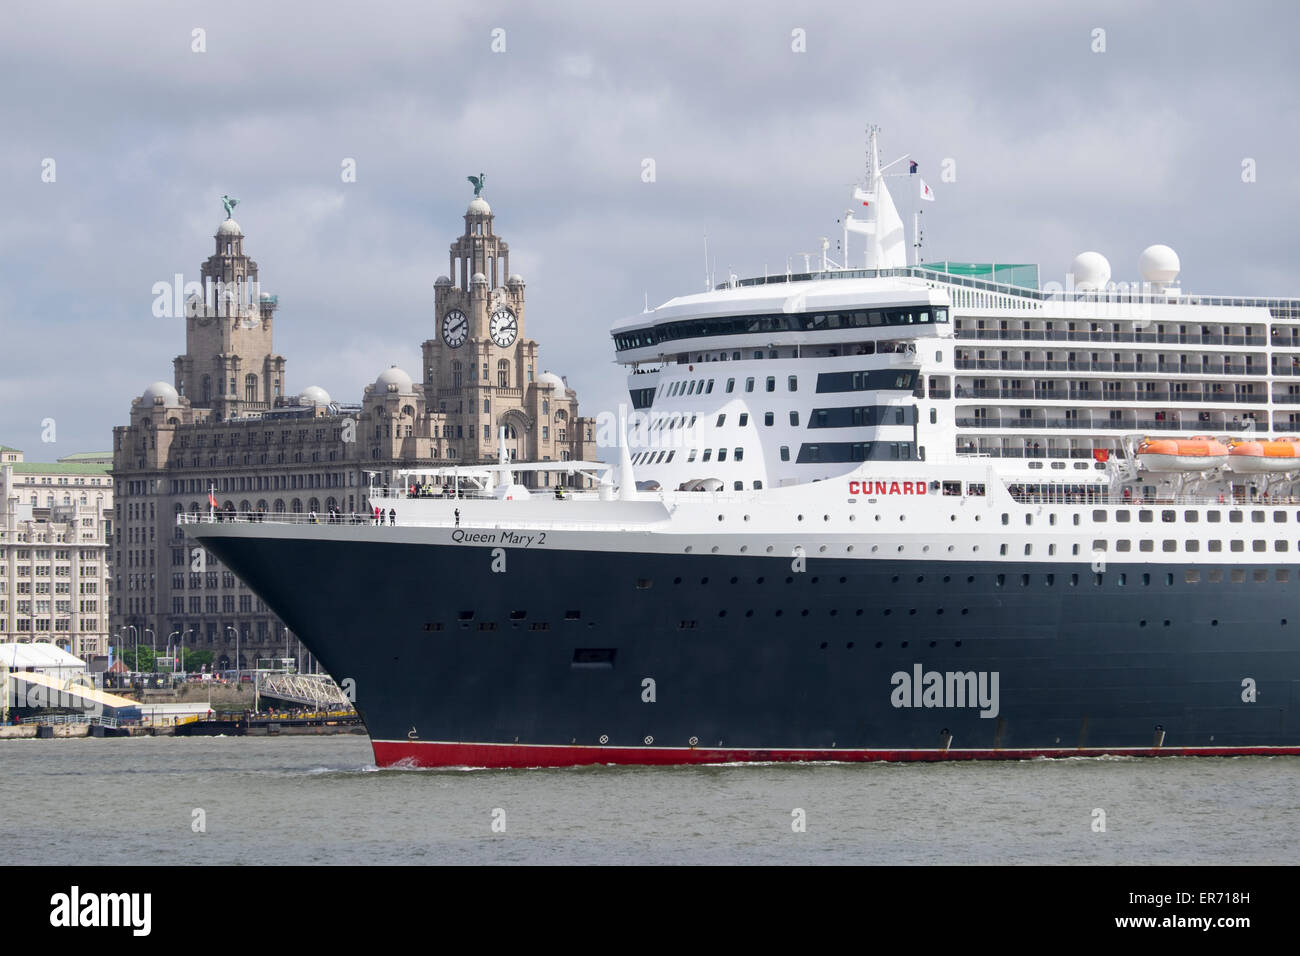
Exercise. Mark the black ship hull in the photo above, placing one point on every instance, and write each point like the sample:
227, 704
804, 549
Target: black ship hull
573, 657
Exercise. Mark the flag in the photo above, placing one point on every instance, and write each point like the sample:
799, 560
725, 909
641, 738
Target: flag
862, 195
212, 499
912, 166
926, 192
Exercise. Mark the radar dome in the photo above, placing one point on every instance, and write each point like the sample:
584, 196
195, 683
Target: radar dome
1091, 271
1159, 265
314, 395
160, 390
393, 380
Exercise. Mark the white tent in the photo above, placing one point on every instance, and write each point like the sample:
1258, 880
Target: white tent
42, 658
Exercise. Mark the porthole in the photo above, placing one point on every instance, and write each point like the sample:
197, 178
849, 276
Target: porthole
858, 613
677, 580
934, 643
689, 549
904, 644
719, 517
769, 549
800, 517
734, 580
965, 610
826, 517
911, 612
749, 613
746, 517
877, 517
849, 646
853, 517
875, 547
789, 580
822, 548
715, 549
823, 645
803, 613
886, 612
704, 580
879, 645
760, 581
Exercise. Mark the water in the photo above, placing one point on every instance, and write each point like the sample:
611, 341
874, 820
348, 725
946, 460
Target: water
321, 800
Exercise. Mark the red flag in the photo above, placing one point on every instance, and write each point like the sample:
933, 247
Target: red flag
1101, 454
212, 499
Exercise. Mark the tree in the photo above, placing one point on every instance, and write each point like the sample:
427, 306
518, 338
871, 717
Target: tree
194, 660
146, 662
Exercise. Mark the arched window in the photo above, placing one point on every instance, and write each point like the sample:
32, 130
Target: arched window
456, 371
207, 388
560, 415
279, 506
250, 388
297, 506
546, 407
503, 374
408, 411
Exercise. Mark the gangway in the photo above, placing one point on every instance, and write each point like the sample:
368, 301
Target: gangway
317, 691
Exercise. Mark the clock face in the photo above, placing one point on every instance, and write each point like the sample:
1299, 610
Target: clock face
455, 328
503, 327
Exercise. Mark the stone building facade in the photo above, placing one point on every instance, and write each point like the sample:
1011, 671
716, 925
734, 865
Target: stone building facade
228, 425
56, 521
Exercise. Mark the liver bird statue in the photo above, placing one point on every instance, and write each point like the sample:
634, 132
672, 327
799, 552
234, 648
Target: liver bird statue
230, 205
478, 182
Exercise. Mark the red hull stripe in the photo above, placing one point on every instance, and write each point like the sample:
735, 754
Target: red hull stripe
414, 753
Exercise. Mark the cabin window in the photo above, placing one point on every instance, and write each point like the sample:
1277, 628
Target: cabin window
1237, 546
1214, 546
785, 452
769, 419
1123, 517
1146, 545
731, 385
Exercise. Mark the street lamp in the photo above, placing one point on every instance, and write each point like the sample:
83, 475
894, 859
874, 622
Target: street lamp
169, 651
135, 639
229, 628
153, 639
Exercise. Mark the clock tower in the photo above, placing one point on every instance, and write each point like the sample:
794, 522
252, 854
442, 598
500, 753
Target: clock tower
479, 367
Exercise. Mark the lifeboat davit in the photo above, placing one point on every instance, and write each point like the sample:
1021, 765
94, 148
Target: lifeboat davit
1181, 454
1264, 457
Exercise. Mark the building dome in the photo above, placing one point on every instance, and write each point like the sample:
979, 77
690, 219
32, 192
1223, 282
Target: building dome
229, 228
1159, 265
441, 281
314, 395
160, 390
393, 381
478, 207
478, 278
1091, 271
515, 279
550, 378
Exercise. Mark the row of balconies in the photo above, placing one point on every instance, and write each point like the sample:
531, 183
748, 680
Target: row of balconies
1169, 423
1116, 395
1168, 338
1207, 366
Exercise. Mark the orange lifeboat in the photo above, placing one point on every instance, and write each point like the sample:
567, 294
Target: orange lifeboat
1181, 454
1262, 457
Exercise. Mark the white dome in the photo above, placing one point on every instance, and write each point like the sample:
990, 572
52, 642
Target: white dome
515, 279
160, 390
393, 380
550, 378
478, 207
1159, 265
477, 278
314, 395
1091, 270
229, 228
441, 281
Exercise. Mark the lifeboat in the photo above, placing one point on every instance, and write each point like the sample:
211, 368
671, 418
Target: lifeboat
1181, 454
1263, 457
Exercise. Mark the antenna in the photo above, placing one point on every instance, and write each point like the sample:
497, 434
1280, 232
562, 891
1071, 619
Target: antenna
707, 284
647, 300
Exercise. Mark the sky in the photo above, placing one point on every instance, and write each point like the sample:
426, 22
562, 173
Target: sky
1040, 136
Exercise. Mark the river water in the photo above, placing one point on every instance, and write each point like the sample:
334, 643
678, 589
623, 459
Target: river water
162, 800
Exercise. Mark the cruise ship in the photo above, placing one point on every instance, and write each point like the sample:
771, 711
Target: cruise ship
917, 511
